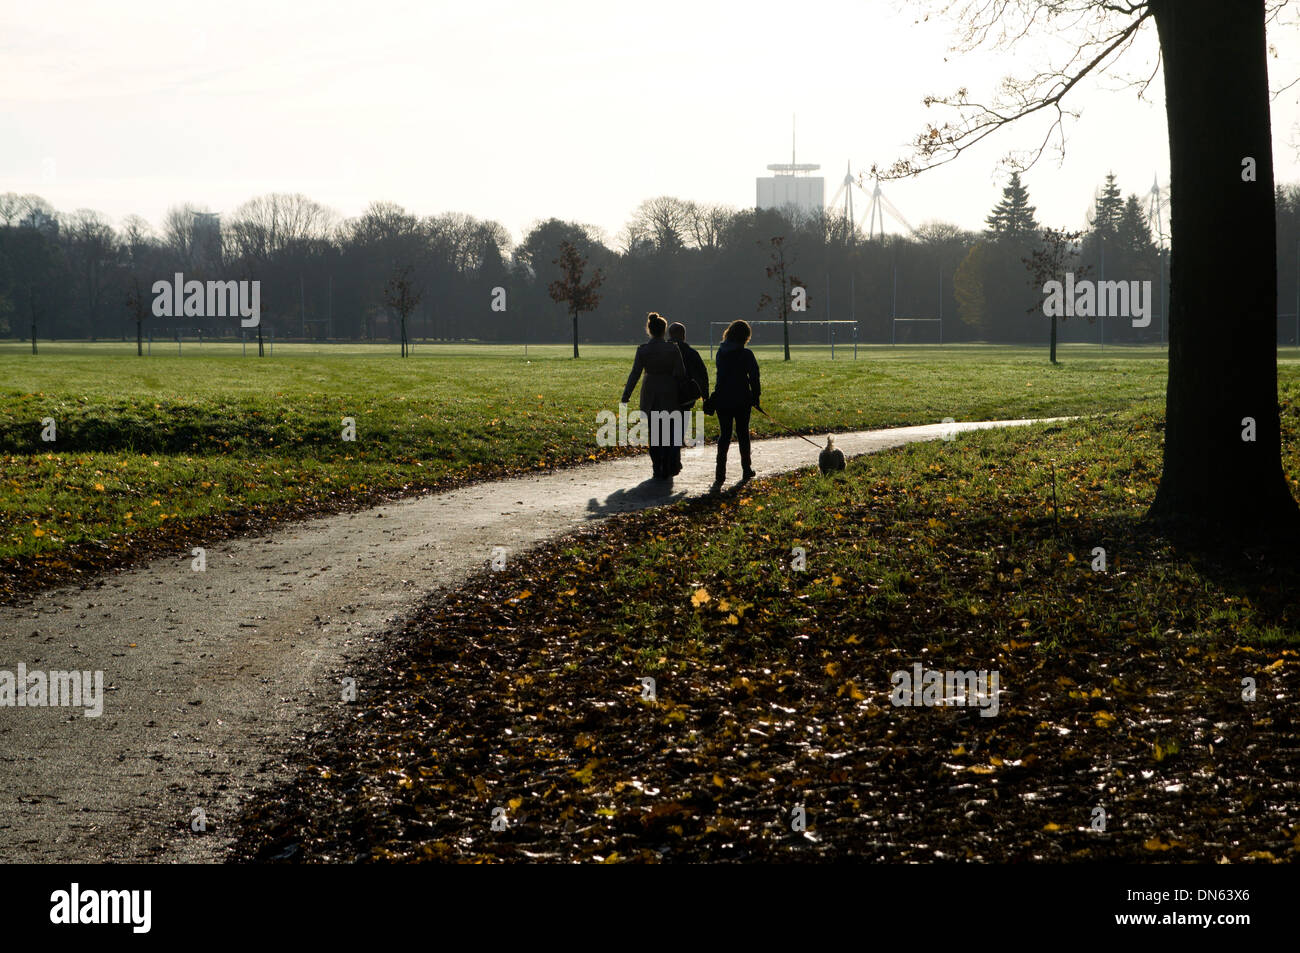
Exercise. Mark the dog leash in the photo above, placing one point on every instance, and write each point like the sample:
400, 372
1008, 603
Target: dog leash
787, 429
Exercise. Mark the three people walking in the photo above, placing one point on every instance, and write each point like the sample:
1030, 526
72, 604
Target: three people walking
676, 376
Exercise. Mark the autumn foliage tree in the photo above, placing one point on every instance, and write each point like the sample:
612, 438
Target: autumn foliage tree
570, 288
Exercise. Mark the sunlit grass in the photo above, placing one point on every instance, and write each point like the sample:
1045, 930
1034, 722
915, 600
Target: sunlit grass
211, 432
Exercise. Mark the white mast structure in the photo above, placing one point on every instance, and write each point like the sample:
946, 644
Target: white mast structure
1157, 202
877, 204
845, 191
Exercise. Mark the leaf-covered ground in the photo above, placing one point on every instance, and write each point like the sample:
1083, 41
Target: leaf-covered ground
522, 698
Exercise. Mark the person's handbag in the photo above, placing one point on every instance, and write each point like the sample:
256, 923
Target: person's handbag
688, 391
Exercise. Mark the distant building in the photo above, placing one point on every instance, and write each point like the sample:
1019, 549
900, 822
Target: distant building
792, 186
806, 193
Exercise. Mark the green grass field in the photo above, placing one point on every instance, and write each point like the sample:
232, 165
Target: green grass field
149, 448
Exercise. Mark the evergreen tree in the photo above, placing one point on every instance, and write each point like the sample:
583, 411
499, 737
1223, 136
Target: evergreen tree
1013, 217
1108, 208
1132, 230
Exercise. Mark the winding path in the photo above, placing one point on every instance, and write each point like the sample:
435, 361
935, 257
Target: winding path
212, 677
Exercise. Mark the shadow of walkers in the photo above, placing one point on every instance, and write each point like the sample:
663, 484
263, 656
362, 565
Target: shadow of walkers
652, 492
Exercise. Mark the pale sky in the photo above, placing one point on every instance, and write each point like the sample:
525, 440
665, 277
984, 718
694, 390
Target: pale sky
520, 111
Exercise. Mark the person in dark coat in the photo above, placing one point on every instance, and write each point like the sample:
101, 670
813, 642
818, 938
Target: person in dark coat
695, 371
736, 392
661, 362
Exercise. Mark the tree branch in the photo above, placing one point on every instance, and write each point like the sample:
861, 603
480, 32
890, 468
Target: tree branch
1018, 98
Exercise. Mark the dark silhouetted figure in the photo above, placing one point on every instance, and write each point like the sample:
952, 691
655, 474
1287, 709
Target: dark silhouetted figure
694, 387
662, 363
735, 393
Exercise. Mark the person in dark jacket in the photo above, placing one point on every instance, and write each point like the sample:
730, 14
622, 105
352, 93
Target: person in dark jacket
735, 392
662, 363
695, 371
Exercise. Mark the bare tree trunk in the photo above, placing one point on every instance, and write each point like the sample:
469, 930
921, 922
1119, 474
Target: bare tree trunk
1053, 338
575, 334
1223, 277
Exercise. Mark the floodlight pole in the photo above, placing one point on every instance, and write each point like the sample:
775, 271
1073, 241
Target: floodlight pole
941, 306
893, 309
852, 318
1101, 328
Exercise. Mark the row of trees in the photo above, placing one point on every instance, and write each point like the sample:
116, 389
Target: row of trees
77, 276
1117, 244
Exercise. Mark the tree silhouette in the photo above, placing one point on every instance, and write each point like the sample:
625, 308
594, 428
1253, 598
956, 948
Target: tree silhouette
137, 306
1049, 262
778, 271
570, 289
1013, 217
1108, 208
1223, 295
402, 296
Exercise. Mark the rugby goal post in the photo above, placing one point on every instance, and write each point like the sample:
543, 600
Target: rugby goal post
894, 322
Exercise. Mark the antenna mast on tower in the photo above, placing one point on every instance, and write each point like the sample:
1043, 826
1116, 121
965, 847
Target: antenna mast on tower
790, 185
794, 168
